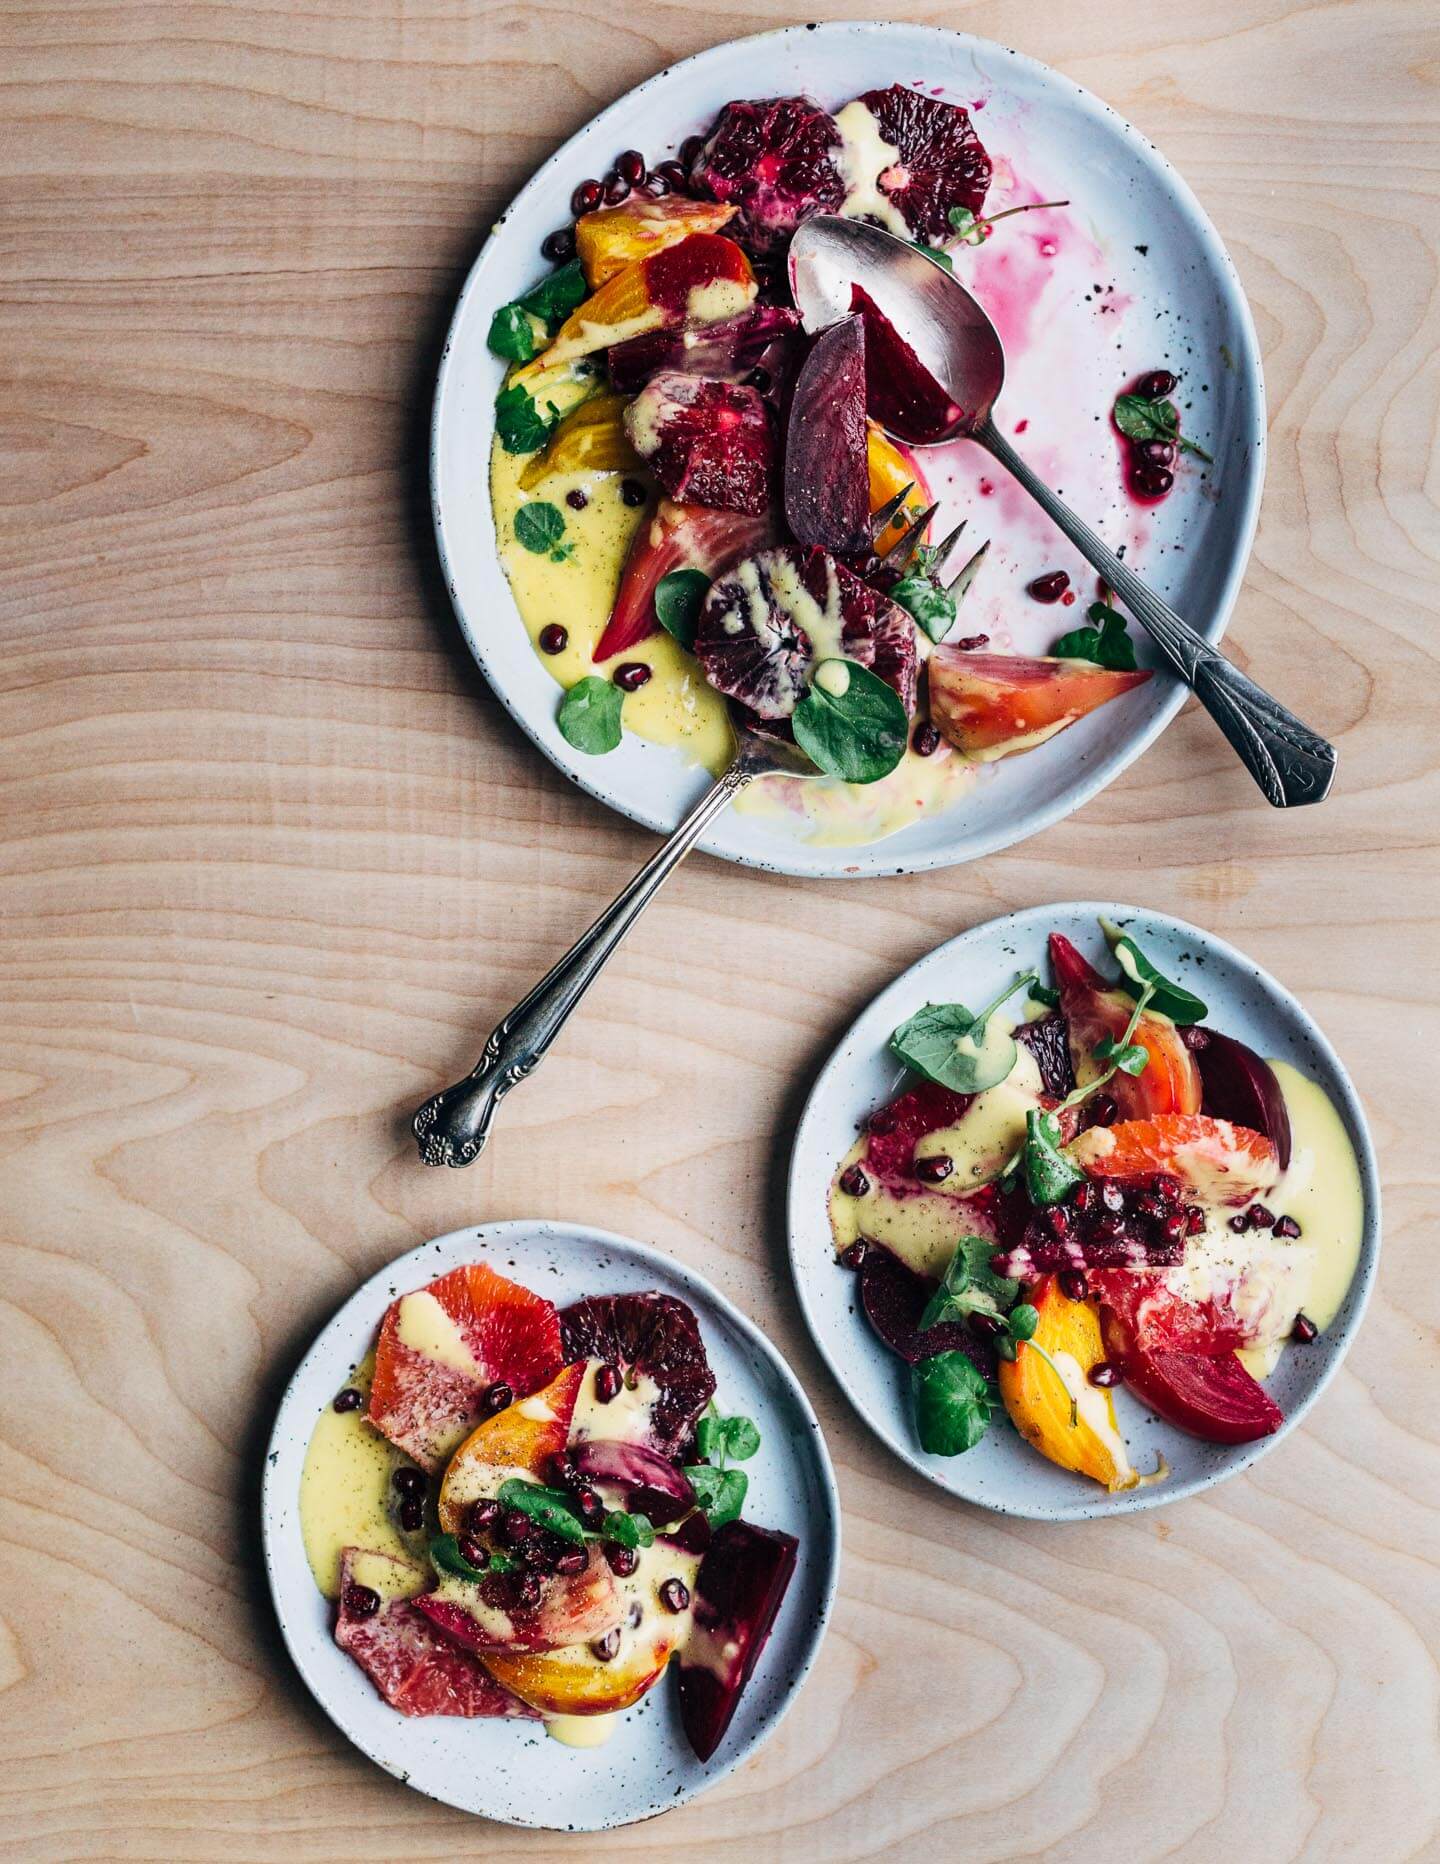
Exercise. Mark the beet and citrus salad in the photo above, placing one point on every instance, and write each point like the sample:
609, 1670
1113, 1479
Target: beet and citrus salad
524, 1512
699, 506
1107, 1192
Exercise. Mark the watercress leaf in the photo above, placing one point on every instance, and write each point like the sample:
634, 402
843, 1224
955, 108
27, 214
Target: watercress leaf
1172, 1000
539, 526
519, 422
1042, 993
1050, 1177
553, 299
970, 229
1023, 1321
1106, 641
957, 1049
446, 1557
930, 605
977, 1251
512, 333
720, 1492
621, 1528
705, 1479
1005, 1347
589, 715
678, 600
710, 1438
742, 1439
1142, 419
953, 1404
936, 253
1133, 1059
551, 1509
858, 735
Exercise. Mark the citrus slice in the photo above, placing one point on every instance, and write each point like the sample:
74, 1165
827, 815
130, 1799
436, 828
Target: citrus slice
1220, 1162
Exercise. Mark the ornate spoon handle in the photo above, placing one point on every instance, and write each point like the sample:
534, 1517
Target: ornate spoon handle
1291, 763
452, 1128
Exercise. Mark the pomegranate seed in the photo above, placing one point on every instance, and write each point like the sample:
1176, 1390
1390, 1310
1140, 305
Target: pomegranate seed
1049, 588
1087, 1196
530, 1591
1156, 452
631, 167
409, 1481
689, 149
577, 499
348, 1400
623, 1560
412, 1515
516, 1526
553, 639
617, 189
361, 1602
935, 1169
1150, 1208
636, 1613
1111, 1223
1304, 1330
1105, 1373
607, 1648
607, 1384
986, 1325
1157, 383
1287, 1227
587, 197
562, 1470
559, 245
1060, 1223
632, 676
1074, 1284
673, 175
1103, 1110
571, 1562
496, 1400
632, 492
971, 643
854, 1182
674, 1595
1260, 1217
471, 1550
1195, 1038
1194, 1219
483, 1515
657, 186
1112, 1197
1175, 1227
926, 741
854, 1256
1152, 481
1168, 1190
541, 1552
590, 1506
1240, 1222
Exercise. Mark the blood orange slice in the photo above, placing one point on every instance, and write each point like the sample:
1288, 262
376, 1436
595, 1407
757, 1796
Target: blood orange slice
443, 1347
655, 1337
1221, 1163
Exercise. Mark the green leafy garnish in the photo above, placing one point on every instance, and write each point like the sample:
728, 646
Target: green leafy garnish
589, 715
551, 1509
1042, 993
1050, 1177
539, 526
720, 1492
1105, 641
557, 294
521, 426
513, 329
969, 1285
1129, 1058
953, 1404
931, 606
678, 600
1172, 1000
514, 333
975, 229
1020, 1330
949, 1045
1139, 419
446, 1557
937, 253
858, 735
628, 1530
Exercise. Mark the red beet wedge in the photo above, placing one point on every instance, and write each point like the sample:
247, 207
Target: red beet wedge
777, 161
1241, 1087
940, 161
708, 443
893, 1297
741, 1584
676, 537
827, 471
900, 392
1213, 1398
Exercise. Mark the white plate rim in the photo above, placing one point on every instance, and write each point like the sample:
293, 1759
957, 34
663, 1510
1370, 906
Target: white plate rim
814, 861
376, 1293
1088, 1505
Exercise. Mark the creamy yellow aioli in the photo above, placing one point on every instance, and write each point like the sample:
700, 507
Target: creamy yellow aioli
581, 1731
865, 157
677, 707
625, 1419
424, 1326
345, 1491
1093, 1409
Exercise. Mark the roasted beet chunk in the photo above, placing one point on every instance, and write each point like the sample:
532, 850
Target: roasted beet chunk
738, 1591
655, 1336
708, 443
777, 161
1048, 1040
894, 1297
940, 162
725, 352
895, 1128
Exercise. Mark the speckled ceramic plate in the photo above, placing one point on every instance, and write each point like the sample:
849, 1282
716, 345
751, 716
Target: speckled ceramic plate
1137, 280
510, 1770
1002, 1472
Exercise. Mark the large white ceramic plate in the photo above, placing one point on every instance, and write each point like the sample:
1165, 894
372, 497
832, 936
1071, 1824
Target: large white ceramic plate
510, 1770
1003, 1472
1140, 280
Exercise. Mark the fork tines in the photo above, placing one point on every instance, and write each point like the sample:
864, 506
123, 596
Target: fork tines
901, 551
881, 520
960, 588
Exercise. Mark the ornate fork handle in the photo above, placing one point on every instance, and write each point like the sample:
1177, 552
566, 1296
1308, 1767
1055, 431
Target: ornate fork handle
1291, 763
453, 1126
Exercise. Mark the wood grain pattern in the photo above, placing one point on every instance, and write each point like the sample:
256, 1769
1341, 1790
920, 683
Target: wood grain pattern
273, 861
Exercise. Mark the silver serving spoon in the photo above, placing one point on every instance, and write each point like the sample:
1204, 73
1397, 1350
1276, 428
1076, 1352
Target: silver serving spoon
452, 1128
956, 341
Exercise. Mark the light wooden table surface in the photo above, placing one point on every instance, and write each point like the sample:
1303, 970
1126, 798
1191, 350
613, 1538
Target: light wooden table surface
274, 860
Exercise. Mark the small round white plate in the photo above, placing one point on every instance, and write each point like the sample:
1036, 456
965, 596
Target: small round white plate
1002, 1472
1137, 279
510, 1770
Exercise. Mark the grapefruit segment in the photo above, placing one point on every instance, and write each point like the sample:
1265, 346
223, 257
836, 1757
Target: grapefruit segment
441, 1349
992, 705
676, 537
1219, 1162
1140, 1312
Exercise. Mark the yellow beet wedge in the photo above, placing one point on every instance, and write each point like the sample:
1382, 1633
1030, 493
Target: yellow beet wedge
1065, 1417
